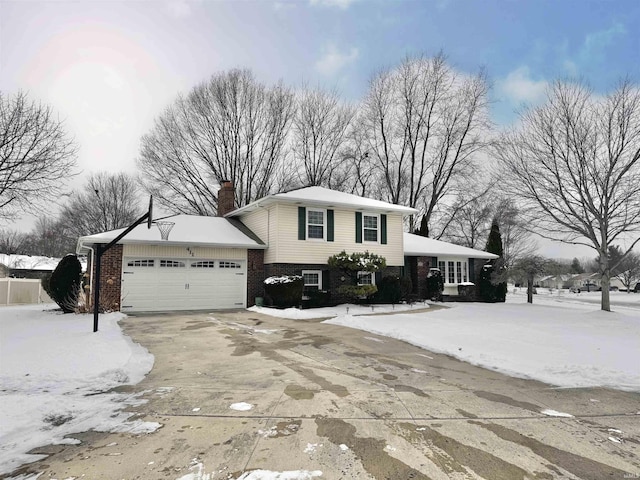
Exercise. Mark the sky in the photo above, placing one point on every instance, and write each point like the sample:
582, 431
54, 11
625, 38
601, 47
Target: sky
110, 67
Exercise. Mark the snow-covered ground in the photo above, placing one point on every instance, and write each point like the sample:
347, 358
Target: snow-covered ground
562, 339
53, 369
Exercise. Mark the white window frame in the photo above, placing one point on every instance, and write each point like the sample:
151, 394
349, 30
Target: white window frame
364, 273
312, 272
324, 224
377, 240
457, 279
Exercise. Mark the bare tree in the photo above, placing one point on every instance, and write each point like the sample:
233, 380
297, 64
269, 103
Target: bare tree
626, 269
469, 217
228, 128
49, 238
37, 157
106, 202
12, 241
517, 239
573, 165
425, 124
319, 133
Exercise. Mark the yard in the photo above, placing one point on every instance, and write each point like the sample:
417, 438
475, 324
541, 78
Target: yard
57, 376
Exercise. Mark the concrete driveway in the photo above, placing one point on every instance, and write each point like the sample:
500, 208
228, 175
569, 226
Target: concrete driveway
346, 403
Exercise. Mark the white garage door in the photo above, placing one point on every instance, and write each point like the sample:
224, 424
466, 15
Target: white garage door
165, 284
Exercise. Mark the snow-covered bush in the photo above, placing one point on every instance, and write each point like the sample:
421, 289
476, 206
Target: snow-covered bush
284, 291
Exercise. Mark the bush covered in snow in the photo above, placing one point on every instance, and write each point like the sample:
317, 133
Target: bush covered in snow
284, 291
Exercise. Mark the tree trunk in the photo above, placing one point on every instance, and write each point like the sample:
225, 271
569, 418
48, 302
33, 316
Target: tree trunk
605, 278
530, 289
605, 284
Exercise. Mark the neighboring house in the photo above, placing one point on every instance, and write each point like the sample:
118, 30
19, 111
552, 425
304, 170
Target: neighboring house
221, 262
26, 266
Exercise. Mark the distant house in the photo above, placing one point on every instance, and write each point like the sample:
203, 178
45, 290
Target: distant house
26, 266
221, 262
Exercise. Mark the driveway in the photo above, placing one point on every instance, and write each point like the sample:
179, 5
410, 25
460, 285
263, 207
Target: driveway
238, 392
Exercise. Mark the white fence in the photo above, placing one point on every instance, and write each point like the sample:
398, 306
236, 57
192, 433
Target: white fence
22, 291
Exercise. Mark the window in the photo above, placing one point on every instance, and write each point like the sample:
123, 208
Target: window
230, 265
315, 224
312, 279
204, 264
147, 262
171, 264
370, 228
454, 271
366, 278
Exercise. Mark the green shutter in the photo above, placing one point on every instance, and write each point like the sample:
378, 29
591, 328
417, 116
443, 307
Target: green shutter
329, 225
302, 223
358, 227
383, 229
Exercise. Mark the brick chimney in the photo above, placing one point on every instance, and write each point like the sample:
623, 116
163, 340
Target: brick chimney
226, 198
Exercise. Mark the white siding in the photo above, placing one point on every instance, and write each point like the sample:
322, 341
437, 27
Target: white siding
184, 252
286, 248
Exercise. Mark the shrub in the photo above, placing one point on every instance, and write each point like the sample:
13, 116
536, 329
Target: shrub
434, 285
466, 293
316, 298
284, 291
64, 284
393, 289
357, 292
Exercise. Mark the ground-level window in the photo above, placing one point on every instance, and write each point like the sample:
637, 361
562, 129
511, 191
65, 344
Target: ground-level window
454, 271
366, 278
312, 279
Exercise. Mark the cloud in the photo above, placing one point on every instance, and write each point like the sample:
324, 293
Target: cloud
332, 61
518, 87
596, 43
178, 8
341, 4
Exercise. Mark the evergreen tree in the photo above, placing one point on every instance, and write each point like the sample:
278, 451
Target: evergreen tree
423, 229
492, 286
576, 266
64, 283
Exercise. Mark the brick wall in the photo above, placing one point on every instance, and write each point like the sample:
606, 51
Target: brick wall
110, 278
255, 275
335, 277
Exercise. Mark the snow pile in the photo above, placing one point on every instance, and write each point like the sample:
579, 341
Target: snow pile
328, 312
53, 370
282, 279
569, 347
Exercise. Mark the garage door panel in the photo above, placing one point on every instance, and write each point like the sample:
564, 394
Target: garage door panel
183, 284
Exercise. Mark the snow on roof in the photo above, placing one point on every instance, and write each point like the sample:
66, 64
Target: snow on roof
31, 262
188, 229
325, 197
28, 262
416, 245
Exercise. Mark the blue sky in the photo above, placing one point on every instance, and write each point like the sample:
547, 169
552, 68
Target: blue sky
110, 67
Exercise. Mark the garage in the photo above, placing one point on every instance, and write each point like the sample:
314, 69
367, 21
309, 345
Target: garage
158, 284
203, 264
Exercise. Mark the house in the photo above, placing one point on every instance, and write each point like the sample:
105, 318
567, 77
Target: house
221, 262
26, 266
